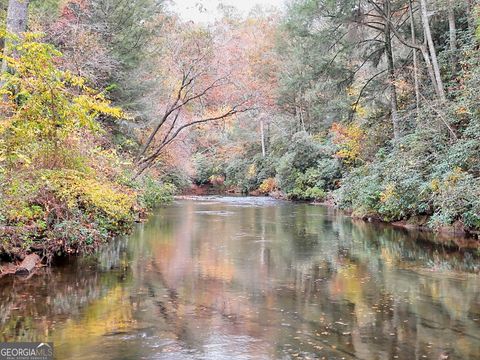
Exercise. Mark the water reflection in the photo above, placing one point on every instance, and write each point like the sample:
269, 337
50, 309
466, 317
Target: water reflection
251, 279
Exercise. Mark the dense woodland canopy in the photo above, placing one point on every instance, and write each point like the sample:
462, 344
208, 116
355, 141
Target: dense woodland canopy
111, 106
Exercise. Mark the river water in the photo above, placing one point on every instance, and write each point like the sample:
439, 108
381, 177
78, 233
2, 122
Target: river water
253, 278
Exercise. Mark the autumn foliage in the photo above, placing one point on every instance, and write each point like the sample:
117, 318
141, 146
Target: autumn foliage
349, 139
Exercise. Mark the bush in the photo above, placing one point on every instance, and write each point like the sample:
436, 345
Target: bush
205, 168
64, 211
305, 151
216, 180
177, 177
360, 191
236, 172
308, 163
309, 193
79, 190
156, 193
60, 190
414, 179
308, 186
248, 174
315, 193
286, 172
456, 197
329, 171
267, 186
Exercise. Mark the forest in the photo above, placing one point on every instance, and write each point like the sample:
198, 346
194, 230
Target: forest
109, 108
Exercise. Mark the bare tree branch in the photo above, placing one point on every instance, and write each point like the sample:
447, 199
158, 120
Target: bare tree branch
146, 162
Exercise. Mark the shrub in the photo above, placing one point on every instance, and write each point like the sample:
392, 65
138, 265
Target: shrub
286, 172
236, 174
267, 186
156, 193
205, 168
308, 163
37, 131
308, 186
329, 171
304, 150
216, 180
104, 199
60, 191
248, 174
308, 193
456, 197
360, 191
64, 211
349, 138
315, 193
178, 177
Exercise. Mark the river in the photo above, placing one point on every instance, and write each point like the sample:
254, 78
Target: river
253, 278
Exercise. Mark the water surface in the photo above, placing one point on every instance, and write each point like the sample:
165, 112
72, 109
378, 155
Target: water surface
253, 278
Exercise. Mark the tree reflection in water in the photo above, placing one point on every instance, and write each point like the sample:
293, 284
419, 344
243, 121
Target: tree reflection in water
253, 278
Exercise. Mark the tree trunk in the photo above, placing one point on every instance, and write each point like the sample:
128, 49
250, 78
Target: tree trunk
391, 71
17, 16
415, 58
453, 36
431, 74
432, 51
262, 132
16, 25
302, 120
28, 264
470, 15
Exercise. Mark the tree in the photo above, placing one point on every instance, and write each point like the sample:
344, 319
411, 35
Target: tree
415, 56
59, 191
248, 51
316, 65
432, 50
84, 51
47, 104
197, 90
391, 68
452, 35
428, 49
106, 41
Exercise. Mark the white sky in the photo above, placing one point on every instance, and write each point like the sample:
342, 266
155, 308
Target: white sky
205, 11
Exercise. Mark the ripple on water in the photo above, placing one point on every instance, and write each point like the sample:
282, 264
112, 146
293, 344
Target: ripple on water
215, 212
238, 201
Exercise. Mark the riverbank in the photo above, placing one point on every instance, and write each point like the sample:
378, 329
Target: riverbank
453, 236
61, 213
